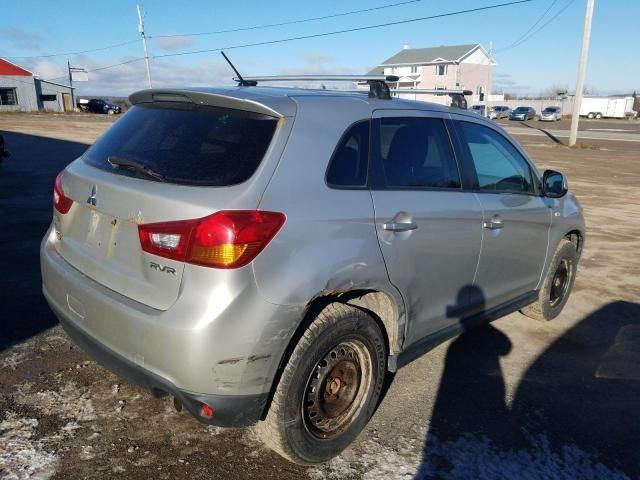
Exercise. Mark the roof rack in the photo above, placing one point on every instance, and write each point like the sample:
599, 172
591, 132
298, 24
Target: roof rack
378, 87
457, 96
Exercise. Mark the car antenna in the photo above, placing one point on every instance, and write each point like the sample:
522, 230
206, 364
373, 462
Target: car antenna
241, 81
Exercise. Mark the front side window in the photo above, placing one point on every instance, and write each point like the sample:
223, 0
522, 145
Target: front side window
417, 153
441, 70
8, 96
499, 166
348, 166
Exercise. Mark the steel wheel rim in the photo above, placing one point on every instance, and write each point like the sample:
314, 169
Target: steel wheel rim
560, 282
336, 389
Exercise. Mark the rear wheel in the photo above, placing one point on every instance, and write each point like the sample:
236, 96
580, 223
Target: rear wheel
329, 388
557, 284
598, 115
591, 115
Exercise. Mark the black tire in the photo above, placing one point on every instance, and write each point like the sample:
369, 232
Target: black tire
306, 426
556, 285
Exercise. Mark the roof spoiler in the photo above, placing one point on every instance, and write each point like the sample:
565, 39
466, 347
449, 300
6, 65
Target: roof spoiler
155, 95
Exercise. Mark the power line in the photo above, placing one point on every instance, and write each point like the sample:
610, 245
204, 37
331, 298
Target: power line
520, 42
291, 22
240, 29
317, 35
80, 52
553, 2
347, 30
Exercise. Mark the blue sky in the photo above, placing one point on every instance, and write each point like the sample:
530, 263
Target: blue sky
549, 58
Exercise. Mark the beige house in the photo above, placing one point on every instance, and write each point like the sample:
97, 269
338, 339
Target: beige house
447, 67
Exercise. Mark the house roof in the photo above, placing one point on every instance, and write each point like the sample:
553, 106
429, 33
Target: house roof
443, 53
9, 68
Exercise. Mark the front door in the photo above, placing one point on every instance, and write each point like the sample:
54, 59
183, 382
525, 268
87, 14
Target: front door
516, 218
66, 99
428, 228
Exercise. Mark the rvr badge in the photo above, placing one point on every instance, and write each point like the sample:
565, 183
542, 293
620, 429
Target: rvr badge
162, 268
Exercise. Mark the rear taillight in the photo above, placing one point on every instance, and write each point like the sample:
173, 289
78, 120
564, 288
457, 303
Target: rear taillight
227, 239
61, 202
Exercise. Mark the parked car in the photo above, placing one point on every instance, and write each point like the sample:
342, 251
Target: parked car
479, 109
551, 114
218, 246
97, 105
522, 113
499, 111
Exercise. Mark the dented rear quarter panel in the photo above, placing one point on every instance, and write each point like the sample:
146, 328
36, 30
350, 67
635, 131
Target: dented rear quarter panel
328, 242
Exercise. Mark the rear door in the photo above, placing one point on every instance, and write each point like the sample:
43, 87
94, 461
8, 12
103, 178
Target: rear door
428, 227
516, 218
203, 159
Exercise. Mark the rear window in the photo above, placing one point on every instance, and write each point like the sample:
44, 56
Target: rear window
186, 144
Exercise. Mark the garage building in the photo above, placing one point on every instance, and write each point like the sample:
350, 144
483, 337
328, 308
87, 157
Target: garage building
22, 91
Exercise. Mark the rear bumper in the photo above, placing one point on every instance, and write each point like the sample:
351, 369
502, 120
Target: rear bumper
219, 344
229, 410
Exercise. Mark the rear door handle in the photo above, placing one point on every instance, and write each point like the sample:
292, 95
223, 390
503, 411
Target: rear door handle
493, 224
399, 226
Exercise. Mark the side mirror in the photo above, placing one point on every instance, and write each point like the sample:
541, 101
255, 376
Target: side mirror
554, 184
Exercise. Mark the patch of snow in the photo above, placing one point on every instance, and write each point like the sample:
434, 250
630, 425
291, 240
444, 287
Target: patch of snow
472, 457
22, 456
87, 453
465, 457
70, 402
12, 360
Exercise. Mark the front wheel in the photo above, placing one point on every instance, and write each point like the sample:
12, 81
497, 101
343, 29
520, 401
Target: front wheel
556, 285
591, 115
598, 115
329, 388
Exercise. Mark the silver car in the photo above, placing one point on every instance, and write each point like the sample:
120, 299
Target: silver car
499, 111
268, 255
551, 114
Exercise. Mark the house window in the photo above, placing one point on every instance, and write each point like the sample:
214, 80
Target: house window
8, 96
48, 98
441, 70
394, 70
414, 69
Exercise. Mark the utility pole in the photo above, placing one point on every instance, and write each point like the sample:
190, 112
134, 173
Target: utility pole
488, 91
582, 69
73, 99
144, 44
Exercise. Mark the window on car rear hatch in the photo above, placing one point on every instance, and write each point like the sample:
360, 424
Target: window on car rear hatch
186, 144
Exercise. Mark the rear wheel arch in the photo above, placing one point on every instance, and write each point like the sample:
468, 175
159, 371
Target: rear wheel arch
381, 306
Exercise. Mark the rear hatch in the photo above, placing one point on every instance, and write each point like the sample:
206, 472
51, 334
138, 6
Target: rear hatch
166, 160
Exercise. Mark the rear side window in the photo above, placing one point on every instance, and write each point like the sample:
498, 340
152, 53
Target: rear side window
187, 144
417, 153
348, 166
499, 165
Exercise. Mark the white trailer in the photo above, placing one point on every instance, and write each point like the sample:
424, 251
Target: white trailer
598, 107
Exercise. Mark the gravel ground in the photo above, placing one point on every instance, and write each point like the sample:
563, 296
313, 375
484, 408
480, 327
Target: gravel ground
516, 399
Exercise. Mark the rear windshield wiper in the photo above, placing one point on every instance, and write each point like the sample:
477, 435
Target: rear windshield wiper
124, 163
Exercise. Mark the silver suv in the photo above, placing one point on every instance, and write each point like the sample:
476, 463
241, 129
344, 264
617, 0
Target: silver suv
268, 255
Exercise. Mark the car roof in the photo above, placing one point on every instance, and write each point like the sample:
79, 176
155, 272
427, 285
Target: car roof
282, 100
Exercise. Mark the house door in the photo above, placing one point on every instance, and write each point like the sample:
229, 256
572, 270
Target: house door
66, 100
